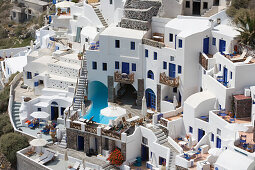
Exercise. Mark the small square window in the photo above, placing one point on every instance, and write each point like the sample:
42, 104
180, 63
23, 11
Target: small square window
144, 141
231, 74
133, 67
214, 41
187, 4
171, 58
132, 45
104, 66
29, 75
164, 65
94, 65
39, 109
110, 1
146, 53
155, 55
175, 89
117, 43
212, 137
117, 65
218, 131
180, 43
219, 67
171, 37
190, 129
205, 5
179, 69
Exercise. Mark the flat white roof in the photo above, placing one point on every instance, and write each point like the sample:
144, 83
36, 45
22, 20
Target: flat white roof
188, 25
232, 160
195, 99
123, 32
226, 30
38, 2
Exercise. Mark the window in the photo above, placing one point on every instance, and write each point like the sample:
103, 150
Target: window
39, 109
231, 74
155, 55
205, 5
14, 14
117, 43
171, 37
179, 69
110, 1
180, 43
218, 131
132, 45
36, 74
94, 65
214, 41
133, 67
104, 66
190, 129
187, 4
29, 75
144, 141
36, 83
219, 67
146, 53
117, 65
175, 90
164, 65
150, 75
162, 161
212, 137
171, 58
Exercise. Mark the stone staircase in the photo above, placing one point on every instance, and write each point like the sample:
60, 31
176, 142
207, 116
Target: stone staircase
81, 86
163, 140
213, 10
100, 16
63, 143
15, 114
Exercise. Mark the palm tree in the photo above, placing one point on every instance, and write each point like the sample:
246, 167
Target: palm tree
247, 29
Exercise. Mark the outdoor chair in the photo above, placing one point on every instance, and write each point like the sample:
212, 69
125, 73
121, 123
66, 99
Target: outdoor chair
44, 156
49, 158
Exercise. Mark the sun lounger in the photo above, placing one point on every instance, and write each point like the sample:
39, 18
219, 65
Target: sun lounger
48, 159
44, 156
241, 56
76, 165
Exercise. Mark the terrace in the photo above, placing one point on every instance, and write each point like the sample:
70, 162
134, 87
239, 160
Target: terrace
205, 60
230, 117
124, 78
155, 40
166, 80
246, 141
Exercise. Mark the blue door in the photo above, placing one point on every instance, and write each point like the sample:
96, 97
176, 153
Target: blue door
175, 41
218, 144
225, 75
171, 70
80, 143
96, 144
222, 46
145, 153
180, 97
201, 133
50, 19
206, 45
150, 99
125, 67
54, 113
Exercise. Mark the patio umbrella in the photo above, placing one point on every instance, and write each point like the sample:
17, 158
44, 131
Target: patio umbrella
144, 106
214, 152
66, 156
216, 105
113, 111
215, 70
175, 102
38, 142
40, 115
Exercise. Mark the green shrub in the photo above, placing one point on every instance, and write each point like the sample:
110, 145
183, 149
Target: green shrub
11, 143
5, 124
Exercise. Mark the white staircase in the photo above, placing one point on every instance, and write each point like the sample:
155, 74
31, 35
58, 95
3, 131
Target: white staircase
63, 143
100, 16
81, 86
213, 10
163, 140
15, 114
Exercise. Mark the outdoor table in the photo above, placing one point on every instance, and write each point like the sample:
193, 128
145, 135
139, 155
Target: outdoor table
133, 119
191, 154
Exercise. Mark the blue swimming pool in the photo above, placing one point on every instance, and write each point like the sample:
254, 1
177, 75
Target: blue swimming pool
98, 94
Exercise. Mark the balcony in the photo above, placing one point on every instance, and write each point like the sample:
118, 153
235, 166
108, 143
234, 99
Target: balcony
204, 60
124, 78
157, 40
166, 80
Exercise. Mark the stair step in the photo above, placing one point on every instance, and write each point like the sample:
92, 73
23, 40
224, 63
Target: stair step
163, 141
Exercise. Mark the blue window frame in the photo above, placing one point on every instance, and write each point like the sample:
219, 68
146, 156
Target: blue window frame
231, 74
36, 83
132, 44
212, 137
155, 55
117, 65
150, 75
146, 53
29, 75
179, 69
104, 66
133, 67
164, 65
171, 37
94, 65
214, 41
190, 129
117, 43
180, 43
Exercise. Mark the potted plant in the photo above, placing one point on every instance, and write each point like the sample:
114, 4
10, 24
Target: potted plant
79, 56
116, 157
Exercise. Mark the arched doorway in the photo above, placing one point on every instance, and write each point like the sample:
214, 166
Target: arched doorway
150, 99
54, 110
127, 94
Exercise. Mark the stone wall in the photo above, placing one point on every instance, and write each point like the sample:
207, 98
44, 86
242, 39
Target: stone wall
111, 91
153, 43
142, 4
24, 163
158, 97
242, 106
141, 14
135, 24
140, 92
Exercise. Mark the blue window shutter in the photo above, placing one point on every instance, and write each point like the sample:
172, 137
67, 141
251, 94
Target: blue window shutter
180, 43
155, 55
171, 37
36, 83
164, 65
133, 67
146, 53
132, 45
179, 69
214, 41
94, 65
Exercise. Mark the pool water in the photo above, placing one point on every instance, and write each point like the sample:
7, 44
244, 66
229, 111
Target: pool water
98, 94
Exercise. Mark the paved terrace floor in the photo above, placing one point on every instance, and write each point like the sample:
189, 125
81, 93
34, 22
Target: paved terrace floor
19, 92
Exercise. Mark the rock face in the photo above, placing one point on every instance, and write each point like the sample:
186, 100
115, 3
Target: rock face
138, 13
